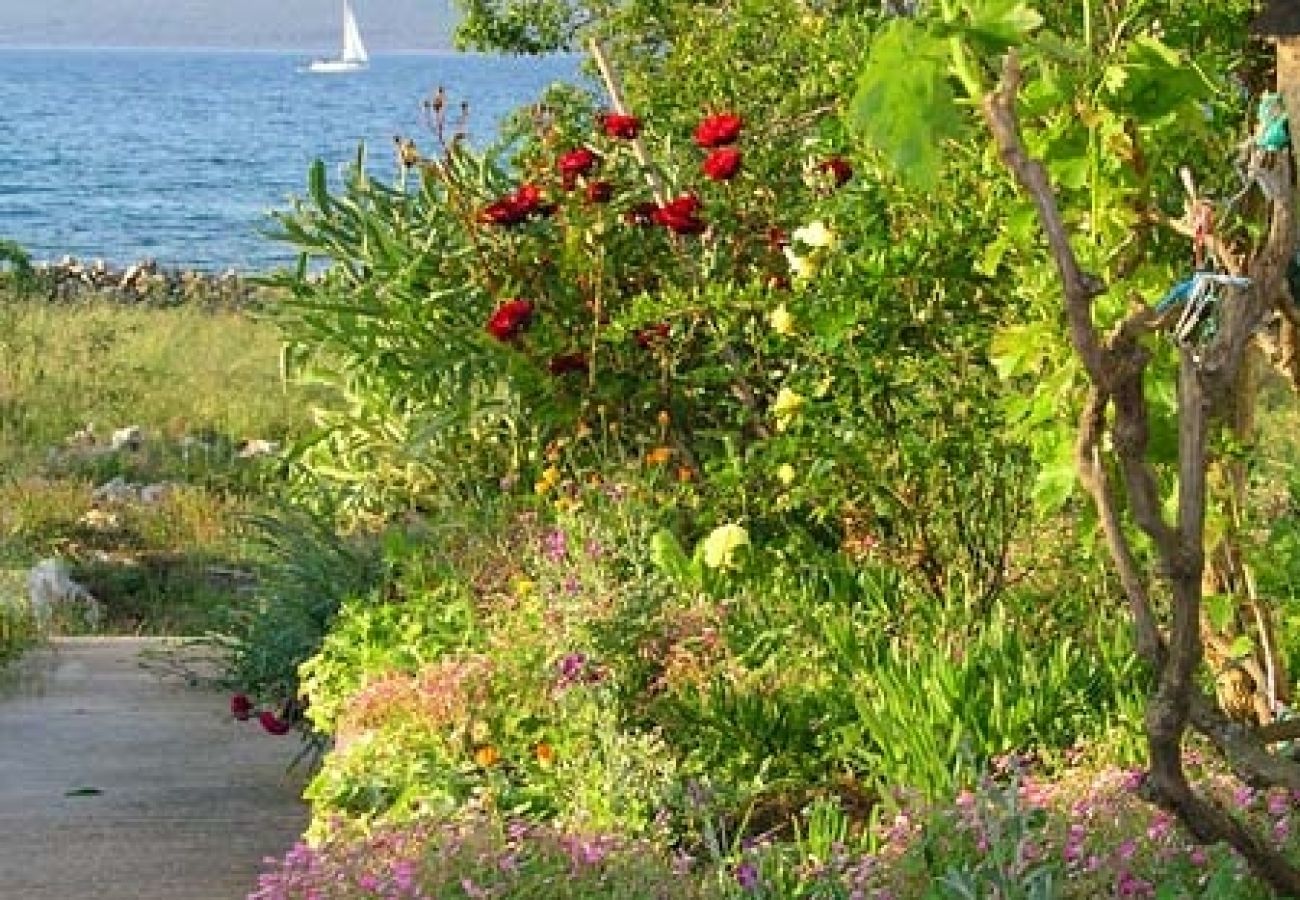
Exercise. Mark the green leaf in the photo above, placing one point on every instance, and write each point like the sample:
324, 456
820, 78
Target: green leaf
996, 25
316, 185
1155, 81
668, 556
904, 105
1242, 647
1220, 610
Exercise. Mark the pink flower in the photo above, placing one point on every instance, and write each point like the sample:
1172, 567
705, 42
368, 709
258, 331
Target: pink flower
272, 723
618, 125
722, 164
241, 707
509, 320
718, 130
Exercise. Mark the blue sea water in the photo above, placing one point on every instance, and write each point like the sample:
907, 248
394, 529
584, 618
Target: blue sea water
179, 156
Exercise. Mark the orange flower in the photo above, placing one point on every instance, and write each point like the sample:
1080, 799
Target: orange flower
487, 756
685, 474
545, 753
659, 456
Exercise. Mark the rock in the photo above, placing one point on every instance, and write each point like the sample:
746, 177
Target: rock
153, 494
129, 438
82, 437
50, 585
100, 520
119, 490
251, 449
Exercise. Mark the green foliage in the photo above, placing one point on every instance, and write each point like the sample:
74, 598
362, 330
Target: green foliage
308, 571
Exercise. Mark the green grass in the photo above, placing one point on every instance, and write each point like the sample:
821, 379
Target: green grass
197, 382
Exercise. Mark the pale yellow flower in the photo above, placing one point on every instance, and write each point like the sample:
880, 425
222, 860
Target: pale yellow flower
816, 235
721, 545
781, 321
786, 407
786, 474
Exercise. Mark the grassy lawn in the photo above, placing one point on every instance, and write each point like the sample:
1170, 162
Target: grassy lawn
197, 384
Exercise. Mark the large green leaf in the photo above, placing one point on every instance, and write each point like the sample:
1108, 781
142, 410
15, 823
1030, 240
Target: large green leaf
996, 25
904, 106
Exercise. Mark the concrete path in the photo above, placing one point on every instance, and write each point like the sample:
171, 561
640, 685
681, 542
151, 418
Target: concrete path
118, 784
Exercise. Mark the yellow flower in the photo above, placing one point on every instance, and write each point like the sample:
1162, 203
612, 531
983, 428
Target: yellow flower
545, 754
786, 407
487, 756
524, 587
781, 321
550, 478
816, 235
786, 474
721, 545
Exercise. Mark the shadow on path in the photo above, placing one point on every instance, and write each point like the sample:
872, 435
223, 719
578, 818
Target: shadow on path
116, 784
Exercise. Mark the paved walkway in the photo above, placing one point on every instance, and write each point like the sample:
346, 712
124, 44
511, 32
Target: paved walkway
116, 784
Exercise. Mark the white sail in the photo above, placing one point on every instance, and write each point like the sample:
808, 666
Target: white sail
354, 51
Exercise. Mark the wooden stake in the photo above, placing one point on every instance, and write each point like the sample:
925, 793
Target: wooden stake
617, 101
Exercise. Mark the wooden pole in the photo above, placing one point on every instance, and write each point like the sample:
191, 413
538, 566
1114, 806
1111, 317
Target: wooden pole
617, 101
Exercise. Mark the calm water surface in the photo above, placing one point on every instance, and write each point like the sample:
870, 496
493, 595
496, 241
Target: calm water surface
179, 156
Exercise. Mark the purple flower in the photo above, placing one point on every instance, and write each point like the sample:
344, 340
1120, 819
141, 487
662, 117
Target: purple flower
747, 876
556, 545
571, 666
1133, 780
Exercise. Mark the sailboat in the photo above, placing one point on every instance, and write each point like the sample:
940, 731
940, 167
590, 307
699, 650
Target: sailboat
354, 56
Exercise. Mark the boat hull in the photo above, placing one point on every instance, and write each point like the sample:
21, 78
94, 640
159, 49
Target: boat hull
336, 66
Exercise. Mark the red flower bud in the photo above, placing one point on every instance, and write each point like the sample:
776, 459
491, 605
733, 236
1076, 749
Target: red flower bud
599, 192
568, 363
722, 164
642, 214
617, 125
241, 707
272, 723
718, 130
509, 320
839, 168
652, 335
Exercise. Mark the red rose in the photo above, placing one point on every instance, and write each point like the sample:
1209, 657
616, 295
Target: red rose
599, 192
617, 125
272, 723
718, 130
241, 707
722, 164
652, 335
567, 363
839, 168
529, 199
679, 215
503, 212
509, 319
642, 214
574, 163
515, 208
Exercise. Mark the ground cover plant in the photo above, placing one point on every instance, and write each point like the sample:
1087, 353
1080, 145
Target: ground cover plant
715, 454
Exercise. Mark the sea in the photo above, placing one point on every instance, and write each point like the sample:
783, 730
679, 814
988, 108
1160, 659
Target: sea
181, 156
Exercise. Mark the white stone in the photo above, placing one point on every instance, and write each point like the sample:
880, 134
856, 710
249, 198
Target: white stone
129, 438
258, 447
50, 585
